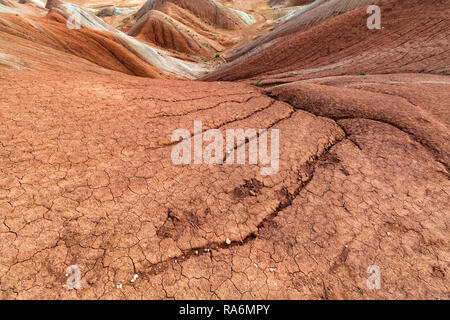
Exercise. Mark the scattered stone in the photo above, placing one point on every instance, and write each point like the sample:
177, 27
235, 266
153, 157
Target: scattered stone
52, 3
107, 12
134, 278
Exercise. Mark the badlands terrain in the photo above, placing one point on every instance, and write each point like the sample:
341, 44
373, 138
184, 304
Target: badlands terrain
91, 91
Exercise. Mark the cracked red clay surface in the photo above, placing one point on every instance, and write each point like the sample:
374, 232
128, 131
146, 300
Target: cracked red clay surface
86, 176
87, 179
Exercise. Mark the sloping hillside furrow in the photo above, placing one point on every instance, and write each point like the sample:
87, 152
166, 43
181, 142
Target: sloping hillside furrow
344, 45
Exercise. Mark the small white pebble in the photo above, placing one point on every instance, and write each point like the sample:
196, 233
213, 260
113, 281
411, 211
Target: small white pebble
134, 278
67, 274
119, 286
196, 252
272, 269
256, 266
228, 241
296, 256
28, 221
169, 255
388, 233
346, 245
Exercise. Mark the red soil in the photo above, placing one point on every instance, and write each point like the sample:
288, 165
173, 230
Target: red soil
209, 10
52, 3
392, 99
191, 21
317, 12
86, 176
344, 45
288, 3
98, 47
86, 179
160, 29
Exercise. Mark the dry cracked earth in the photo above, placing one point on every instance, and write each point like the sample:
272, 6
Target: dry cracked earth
86, 179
